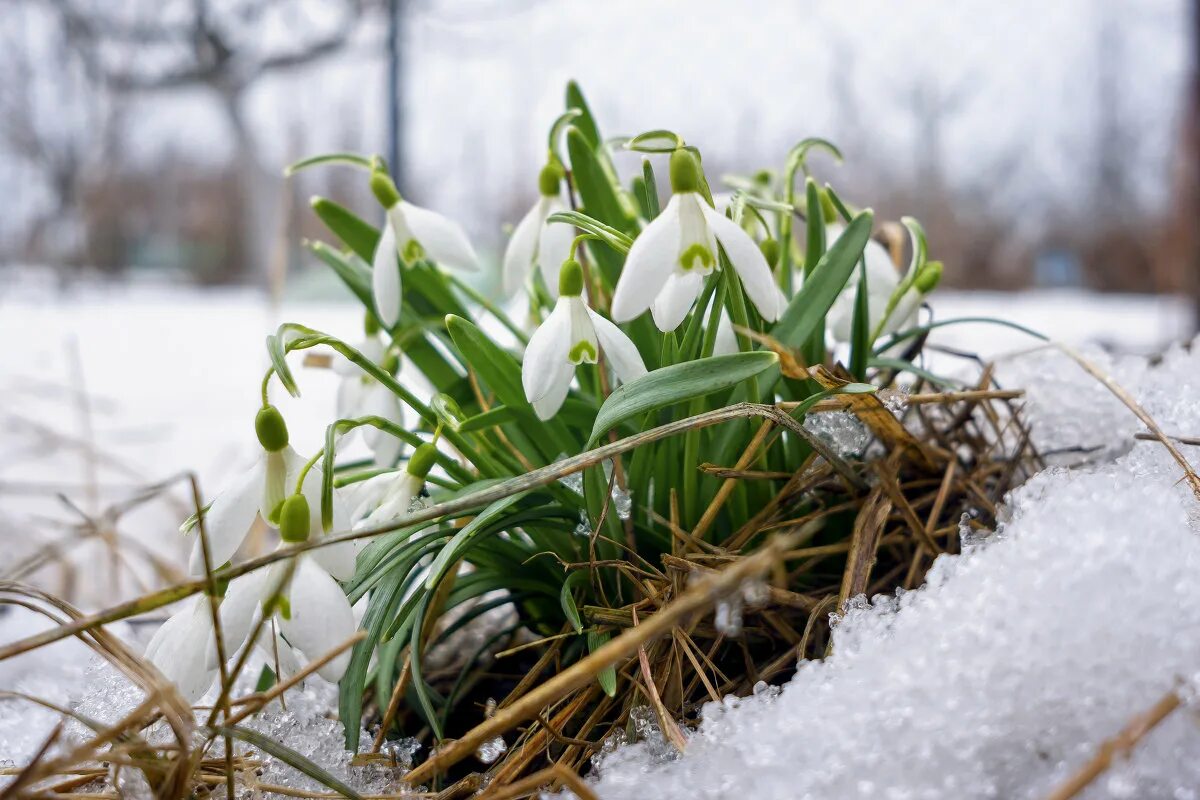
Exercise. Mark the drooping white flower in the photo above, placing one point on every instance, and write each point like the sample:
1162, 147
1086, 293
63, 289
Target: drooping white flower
573, 334
411, 233
667, 264
360, 395
257, 492
537, 242
179, 648
883, 278
388, 497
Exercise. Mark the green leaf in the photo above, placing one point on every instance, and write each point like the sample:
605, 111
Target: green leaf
651, 189
359, 235
352, 159
585, 122
567, 599
676, 383
600, 198
806, 311
498, 415
610, 235
656, 141
288, 756
556, 129
353, 272
462, 540
607, 677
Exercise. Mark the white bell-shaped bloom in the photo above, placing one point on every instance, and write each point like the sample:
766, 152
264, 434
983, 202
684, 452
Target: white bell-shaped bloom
256, 492
178, 649
572, 334
882, 280
360, 395
388, 497
669, 260
411, 233
538, 242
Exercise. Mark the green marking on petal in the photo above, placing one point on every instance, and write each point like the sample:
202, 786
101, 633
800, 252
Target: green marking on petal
696, 253
413, 251
581, 352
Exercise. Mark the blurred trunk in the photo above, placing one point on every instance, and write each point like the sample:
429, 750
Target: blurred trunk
249, 243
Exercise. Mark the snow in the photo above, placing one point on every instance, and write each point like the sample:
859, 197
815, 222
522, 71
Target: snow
1006, 671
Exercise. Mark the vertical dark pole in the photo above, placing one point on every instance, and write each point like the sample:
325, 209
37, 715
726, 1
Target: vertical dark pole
394, 89
1191, 181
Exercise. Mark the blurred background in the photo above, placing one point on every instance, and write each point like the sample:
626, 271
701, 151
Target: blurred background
148, 238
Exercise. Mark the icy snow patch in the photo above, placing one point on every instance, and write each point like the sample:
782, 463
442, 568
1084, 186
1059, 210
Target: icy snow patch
1006, 671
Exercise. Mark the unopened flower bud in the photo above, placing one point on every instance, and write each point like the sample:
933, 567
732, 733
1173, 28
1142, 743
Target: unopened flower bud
294, 519
770, 251
929, 277
271, 429
384, 188
570, 279
549, 179
685, 172
422, 460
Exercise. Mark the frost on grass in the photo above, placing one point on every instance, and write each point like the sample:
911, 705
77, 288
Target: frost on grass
1003, 675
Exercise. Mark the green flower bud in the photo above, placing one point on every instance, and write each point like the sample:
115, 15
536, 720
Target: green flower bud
391, 362
549, 179
685, 172
370, 324
570, 279
422, 460
294, 519
384, 188
770, 251
448, 410
929, 277
271, 429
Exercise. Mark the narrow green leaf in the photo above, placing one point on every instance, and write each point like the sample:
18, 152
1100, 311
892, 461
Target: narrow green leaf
360, 236
288, 756
656, 141
607, 677
352, 159
499, 415
676, 383
585, 122
567, 599
652, 209
556, 129
353, 272
462, 540
611, 236
807, 309
600, 198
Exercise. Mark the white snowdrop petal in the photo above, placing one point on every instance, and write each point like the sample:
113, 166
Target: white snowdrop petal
229, 519
546, 351
726, 342
676, 299
240, 609
385, 278
749, 263
554, 247
552, 401
321, 618
350, 397
650, 262
442, 239
178, 649
619, 350
522, 248
582, 330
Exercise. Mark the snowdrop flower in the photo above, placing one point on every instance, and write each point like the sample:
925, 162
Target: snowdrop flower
573, 334
178, 649
390, 496
360, 395
410, 233
257, 492
669, 260
883, 279
535, 241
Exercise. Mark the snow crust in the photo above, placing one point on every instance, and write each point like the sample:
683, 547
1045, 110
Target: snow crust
1005, 672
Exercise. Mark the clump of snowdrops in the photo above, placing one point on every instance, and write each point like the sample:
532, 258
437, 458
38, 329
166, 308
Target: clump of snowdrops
642, 302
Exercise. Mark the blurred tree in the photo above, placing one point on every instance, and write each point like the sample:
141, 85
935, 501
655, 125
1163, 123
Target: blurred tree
223, 47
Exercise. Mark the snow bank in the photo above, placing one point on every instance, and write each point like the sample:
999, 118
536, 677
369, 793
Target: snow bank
1003, 674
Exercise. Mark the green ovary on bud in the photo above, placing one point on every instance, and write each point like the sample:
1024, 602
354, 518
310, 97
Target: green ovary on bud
271, 429
294, 519
570, 279
929, 277
685, 172
384, 188
549, 179
390, 363
422, 460
770, 251
370, 324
